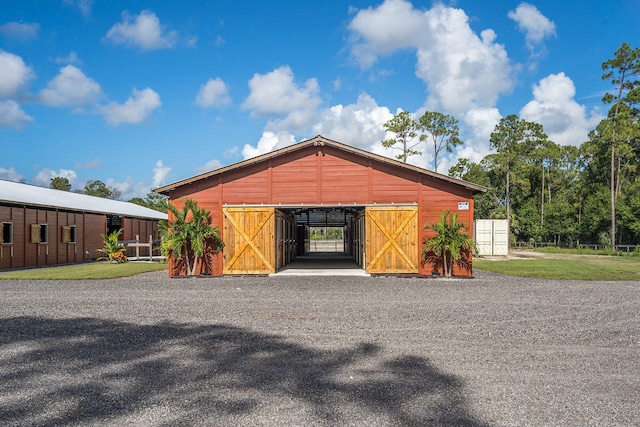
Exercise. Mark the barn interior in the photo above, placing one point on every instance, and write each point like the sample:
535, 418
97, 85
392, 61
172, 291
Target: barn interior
335, 254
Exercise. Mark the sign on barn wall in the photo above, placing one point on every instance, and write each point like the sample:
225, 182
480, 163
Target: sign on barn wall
392, 240
463, 206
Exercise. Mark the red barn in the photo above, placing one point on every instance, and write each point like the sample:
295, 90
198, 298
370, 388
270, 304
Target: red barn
264, 207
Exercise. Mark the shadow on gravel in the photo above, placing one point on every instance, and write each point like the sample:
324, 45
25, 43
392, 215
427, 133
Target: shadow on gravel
81, 371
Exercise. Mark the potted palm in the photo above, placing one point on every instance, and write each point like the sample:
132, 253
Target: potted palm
189, 234
449, 244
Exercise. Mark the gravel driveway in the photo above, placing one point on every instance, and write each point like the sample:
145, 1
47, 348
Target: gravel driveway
326, 351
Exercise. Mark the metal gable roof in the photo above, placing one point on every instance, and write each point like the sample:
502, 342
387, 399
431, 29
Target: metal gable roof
25, 194
321, 141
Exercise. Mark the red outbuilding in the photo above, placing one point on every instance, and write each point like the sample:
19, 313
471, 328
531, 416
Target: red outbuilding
264, 207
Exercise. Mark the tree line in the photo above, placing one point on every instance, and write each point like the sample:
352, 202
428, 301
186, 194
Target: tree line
546, 191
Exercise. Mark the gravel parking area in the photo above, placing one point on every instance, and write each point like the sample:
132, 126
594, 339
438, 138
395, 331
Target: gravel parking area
322, 351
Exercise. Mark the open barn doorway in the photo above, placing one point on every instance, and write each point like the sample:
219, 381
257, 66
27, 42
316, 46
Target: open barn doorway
380, 239
329, 240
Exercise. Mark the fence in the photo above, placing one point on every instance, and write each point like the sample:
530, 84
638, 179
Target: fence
595, 247
150, 246
326, 246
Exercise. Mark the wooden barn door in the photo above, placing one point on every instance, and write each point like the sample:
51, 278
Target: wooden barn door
392, 240
249, 241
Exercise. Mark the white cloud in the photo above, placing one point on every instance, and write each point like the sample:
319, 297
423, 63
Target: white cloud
362, 125
160, 174
231, 153
11, 175
43, 178
479, 124
214, 93
268, 142
553, 106
12, 116
392, 26
143, 31
71, 58
465, 74
209, 166
463, 71
535, 26
70, 88
276, 96
84, 6
135, 109
20, 31
359, 124
14, 74
129, 188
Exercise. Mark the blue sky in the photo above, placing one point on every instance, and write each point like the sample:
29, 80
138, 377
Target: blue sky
140, 94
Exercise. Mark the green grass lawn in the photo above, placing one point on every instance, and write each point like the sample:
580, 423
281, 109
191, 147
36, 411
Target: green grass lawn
84, 271
585, 251
576, 268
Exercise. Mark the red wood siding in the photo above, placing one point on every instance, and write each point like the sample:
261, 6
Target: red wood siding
432, 203
94, 225
329, 175
309, 176
13, 255
62, 253
294, 180
390, 188
67, 252
343, 177
247, 186
50, 252
208, 198
140, 228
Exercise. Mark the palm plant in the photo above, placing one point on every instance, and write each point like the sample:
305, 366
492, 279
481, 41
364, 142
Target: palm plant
189, 234
112, 249
450, 242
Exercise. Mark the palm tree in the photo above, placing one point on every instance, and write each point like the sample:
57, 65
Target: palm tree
112, 249
189, 234
450, 243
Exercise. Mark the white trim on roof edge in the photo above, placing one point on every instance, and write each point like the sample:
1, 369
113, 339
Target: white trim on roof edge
26, 194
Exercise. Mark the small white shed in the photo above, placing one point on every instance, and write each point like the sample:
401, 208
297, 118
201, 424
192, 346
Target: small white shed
491, 236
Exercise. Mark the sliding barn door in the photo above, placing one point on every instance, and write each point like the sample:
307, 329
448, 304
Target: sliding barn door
392, 240
248, 236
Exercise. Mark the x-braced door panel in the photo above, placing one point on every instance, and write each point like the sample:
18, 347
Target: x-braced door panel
249, 240
392, 240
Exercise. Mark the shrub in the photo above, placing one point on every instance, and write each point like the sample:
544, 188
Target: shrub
112, 250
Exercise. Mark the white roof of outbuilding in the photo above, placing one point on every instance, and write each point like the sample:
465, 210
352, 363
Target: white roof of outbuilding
25, 194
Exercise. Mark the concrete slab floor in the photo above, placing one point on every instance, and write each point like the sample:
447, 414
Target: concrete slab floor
322, 264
